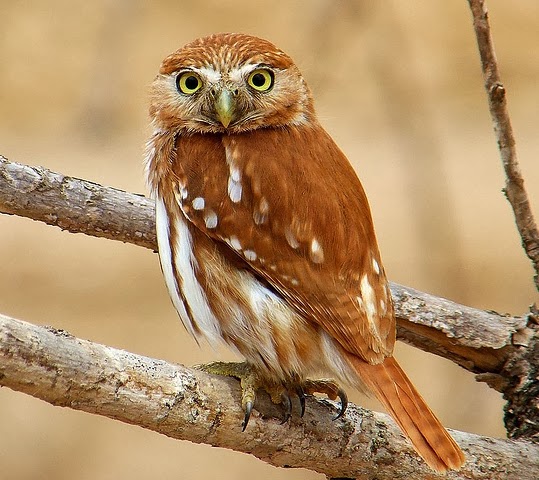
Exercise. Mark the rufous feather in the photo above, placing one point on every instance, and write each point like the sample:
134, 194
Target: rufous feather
396, 392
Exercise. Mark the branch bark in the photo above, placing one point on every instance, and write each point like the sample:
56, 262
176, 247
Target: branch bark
191, 405
497, 102
75, 205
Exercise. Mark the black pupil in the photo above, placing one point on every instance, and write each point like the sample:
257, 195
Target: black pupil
258, 80
191, 82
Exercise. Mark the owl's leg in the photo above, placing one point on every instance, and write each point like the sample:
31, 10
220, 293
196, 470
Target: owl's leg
251, 381
280, 393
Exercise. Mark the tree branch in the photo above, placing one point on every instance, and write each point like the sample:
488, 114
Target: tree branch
190, 405
480, 341
78, 206
497, 102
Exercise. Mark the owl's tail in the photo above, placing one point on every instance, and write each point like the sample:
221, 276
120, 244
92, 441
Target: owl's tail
398, 395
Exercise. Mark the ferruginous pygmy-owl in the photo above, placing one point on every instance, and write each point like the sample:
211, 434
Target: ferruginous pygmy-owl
265, 235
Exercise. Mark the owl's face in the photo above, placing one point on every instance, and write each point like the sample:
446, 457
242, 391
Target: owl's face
223, 84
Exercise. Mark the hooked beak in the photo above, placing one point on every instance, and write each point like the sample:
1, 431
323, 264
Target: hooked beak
224, 106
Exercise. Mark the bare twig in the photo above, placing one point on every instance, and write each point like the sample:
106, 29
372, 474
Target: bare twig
477, 340
190, 405
514, 185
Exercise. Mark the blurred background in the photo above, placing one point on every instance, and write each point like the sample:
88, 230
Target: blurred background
397, 84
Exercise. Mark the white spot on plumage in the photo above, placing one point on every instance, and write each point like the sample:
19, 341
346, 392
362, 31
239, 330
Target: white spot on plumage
234, 189
369, 302
260, 215
235, 174
291, 238
210, 219
317, 252
234, 242
180, 193
250, 255
375, 266
198, 203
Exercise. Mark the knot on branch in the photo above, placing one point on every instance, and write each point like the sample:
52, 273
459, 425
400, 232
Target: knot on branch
522, 390
497, 92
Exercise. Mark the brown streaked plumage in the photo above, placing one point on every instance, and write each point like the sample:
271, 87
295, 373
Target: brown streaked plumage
265, 234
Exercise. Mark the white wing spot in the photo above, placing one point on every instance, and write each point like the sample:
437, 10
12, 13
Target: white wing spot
234, 179
291, 238
260, 216
180, 193
234, 186
250, 255
317, 253
294, 282
367, 294
235, 174
210, 219
375, 266
198, 203
234, 242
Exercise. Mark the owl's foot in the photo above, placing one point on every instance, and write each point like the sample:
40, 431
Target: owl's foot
331, 389
250, 382
280, 393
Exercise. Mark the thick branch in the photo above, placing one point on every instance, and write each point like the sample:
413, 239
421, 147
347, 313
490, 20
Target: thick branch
479, 341
497, 102
78, 206
190, 405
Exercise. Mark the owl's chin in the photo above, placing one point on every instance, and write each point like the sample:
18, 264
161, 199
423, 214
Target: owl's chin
215, 127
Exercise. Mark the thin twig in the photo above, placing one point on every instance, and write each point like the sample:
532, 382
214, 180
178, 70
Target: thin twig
496, 94
477, 340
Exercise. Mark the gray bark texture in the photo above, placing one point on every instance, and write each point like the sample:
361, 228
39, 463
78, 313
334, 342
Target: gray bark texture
191, 405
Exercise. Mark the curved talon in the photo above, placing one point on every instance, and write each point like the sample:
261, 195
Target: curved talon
248, 410
344, 403
301, 395
287, 404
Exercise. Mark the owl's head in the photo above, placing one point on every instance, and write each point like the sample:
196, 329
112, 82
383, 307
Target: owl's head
229, 83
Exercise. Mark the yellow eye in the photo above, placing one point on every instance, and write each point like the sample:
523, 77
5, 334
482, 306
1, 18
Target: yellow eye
188, 83
261, 79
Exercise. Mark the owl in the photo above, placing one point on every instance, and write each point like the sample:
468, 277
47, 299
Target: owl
266, 239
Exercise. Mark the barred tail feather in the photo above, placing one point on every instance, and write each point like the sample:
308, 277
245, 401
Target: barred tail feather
398, 395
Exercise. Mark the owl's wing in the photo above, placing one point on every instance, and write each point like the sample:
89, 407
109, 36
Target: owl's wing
289, 203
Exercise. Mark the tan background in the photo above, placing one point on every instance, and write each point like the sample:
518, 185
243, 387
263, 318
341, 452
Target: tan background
397, 84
